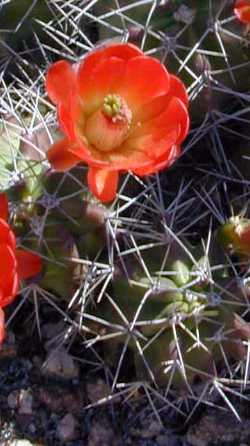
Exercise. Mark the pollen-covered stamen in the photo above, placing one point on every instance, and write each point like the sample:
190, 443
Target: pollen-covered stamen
112, 106
108, 127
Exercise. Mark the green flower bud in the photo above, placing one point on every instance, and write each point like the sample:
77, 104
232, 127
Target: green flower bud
182, 273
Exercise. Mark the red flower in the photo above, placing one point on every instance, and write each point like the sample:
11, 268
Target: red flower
120, 110
16, 264
242, 10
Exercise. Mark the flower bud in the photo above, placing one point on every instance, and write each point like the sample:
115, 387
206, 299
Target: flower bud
234, 236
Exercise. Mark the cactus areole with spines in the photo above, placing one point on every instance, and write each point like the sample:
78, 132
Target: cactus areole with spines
120, 110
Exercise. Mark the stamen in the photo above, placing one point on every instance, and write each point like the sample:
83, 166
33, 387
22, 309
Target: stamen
116, 108
112, 106
108, 127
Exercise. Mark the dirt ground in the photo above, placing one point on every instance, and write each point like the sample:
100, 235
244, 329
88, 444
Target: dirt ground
48, 398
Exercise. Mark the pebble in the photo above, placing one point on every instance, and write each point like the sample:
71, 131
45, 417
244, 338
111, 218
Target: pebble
66, 429
216, 428
102, 434
13, 399
21, 400
59, 364
153, 430
25, 402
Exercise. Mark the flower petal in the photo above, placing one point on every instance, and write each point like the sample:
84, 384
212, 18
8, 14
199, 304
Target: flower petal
99, 82
8, 266
124, 51
9, 290
7, 236
28, 264
103, 183
60, 80
121, 158
170, 126
66, 120
178, 89
179, 108
60, 155
2, 326
159, 164
144, 79
242, 10
157, 136
4, 209
156, 106
151, 109
120, 50
156, 142
90, 65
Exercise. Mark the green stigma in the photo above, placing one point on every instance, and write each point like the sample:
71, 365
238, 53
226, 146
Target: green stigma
112, 105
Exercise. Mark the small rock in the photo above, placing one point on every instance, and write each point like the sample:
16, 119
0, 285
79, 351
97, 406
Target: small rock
102, 434
13, 399
153, 430
32, 428
25, 402
21, 399
184, 15
60, 365
66, 429
216, 428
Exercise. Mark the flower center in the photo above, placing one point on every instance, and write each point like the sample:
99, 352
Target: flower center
108, 127
112, 106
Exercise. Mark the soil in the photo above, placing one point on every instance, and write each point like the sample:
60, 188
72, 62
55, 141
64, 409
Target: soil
48, 399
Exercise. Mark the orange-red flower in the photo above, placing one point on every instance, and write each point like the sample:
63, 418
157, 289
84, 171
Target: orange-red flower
15, 264
242, 10
120, 110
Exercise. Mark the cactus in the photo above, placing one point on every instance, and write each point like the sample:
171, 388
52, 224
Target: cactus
158, 278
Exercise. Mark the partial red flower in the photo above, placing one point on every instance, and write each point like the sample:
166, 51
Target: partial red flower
16, 264
242, 10
119, 110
